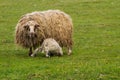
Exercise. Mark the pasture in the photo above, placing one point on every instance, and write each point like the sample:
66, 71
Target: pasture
96, 49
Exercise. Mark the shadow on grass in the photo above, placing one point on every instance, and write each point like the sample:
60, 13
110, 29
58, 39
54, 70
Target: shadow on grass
23, 54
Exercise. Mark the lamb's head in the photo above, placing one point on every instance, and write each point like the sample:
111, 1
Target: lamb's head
31, 28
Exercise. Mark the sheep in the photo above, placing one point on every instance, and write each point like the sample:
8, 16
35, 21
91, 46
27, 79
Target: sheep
33, 28
49, 46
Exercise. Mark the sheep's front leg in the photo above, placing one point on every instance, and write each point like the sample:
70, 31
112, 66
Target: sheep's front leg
30, 51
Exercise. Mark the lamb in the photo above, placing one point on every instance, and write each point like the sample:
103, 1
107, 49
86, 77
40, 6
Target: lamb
49, 46
33, 28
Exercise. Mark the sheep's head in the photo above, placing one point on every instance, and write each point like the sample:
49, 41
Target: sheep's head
31, 28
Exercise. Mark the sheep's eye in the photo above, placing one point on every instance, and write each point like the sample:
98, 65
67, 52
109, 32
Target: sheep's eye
36, 26
27, 27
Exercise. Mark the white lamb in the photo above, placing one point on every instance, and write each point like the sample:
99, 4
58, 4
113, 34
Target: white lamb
49, 46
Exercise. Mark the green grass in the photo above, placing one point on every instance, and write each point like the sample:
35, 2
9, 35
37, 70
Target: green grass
96, 50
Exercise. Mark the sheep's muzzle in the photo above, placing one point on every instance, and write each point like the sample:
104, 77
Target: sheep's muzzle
33, 35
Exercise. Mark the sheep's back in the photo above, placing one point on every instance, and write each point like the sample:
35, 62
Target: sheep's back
58, 26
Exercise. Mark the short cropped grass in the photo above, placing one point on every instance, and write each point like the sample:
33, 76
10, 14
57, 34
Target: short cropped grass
96, 50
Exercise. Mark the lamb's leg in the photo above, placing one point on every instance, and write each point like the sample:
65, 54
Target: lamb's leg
35, 52
47, 53
30, 51
60, 53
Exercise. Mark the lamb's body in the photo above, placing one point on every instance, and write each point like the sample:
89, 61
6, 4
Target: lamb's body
49, 46
34, 27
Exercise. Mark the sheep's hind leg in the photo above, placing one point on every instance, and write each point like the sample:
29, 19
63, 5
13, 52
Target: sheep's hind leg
69, 51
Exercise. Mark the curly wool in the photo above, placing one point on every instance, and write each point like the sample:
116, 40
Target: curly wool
53, 24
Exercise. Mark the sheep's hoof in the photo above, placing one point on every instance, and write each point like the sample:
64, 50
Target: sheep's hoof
69, 52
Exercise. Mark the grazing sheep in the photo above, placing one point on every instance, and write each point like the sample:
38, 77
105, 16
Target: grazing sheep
34, 27
49, 46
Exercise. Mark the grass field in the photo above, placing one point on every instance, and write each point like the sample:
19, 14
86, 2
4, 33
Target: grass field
96, 50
